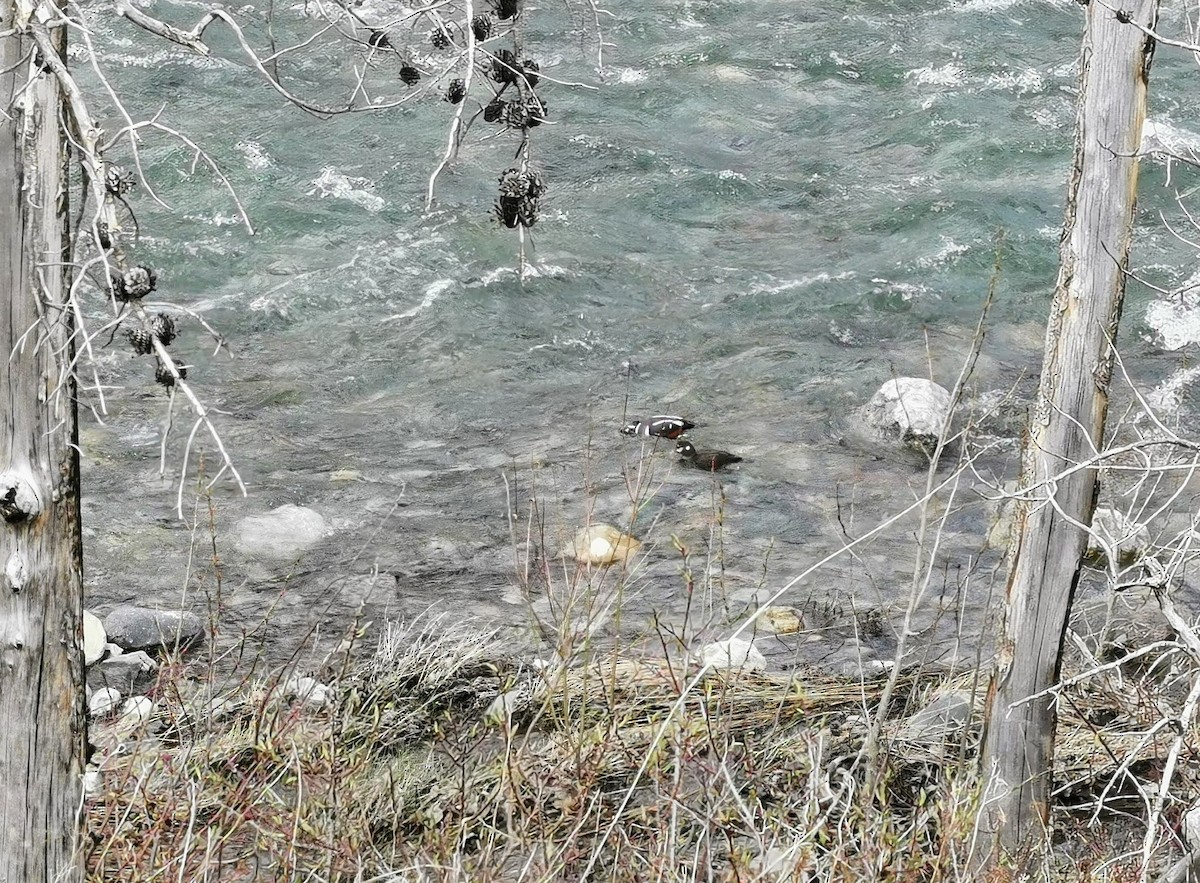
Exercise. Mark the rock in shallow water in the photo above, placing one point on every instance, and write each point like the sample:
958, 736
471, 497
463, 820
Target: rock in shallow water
282, 533
141, 628
910, 410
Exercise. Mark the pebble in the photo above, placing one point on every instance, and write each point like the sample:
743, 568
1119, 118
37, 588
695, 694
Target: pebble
733, 654
103, 701
94, 640
136, 710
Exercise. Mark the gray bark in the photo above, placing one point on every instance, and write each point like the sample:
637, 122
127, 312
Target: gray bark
1066, 427
41, 664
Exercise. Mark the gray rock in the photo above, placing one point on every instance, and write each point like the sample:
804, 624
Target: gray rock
910, 410
306, 691
93, 783
947, 713
280, 534
128, 672
141, 628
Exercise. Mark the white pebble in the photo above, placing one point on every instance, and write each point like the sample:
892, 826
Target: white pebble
103, 701
137, 710
735, 654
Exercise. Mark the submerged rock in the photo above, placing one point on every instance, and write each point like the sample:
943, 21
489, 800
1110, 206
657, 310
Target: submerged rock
282, 533
910, 410
141, 628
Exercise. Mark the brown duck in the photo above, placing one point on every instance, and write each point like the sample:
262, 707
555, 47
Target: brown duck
709, 461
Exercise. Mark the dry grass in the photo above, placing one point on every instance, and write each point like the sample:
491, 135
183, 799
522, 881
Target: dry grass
442, 759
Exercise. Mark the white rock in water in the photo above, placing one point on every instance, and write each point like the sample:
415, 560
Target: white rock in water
909, 409
282, 533
94, 638
733, 653
137, 710
1121, 534
103, 701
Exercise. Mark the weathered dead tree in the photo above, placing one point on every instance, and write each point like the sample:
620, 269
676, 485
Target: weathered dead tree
1066, 427
41, 595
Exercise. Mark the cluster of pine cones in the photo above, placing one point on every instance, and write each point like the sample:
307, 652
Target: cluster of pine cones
514, 104
135, 283
162, 328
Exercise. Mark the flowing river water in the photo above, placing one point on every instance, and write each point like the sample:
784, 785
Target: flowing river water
763, 212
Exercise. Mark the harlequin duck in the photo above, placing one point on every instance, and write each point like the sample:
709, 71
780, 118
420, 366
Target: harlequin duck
662, 425
709, 461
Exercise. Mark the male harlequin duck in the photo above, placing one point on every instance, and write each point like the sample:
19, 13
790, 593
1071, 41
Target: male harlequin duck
662, 425
709, 461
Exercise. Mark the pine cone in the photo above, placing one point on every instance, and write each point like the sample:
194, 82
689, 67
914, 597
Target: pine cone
504, 67
102, 236
519, 201
410, 75
162, 374
134, 283
163, 327
118, 181
141, 340
494, 110
508, 211
439, 39
456, 91
530, 68
515, 115
482, 25
539, 112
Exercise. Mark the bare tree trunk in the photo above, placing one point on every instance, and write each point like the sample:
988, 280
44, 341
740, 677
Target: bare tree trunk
41, 588
1066, 426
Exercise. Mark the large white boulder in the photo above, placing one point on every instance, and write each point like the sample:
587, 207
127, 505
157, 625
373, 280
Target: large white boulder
910, 410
